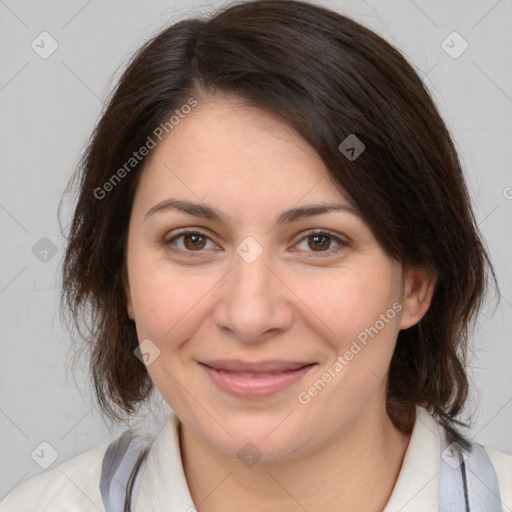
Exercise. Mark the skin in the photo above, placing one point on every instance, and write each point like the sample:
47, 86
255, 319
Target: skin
340, 451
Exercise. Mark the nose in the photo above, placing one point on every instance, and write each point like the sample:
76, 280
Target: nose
253, 303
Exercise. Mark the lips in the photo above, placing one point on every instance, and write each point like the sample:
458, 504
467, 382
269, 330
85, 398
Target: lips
271, 366
255, 379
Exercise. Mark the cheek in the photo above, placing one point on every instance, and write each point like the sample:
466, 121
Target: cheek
169, 308
169, 303
358, 320
350, 303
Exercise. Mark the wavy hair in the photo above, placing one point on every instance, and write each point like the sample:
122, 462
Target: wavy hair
328, 77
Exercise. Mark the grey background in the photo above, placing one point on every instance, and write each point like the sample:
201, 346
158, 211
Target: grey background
49, 107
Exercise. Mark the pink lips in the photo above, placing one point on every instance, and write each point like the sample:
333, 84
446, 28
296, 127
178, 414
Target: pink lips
255, 380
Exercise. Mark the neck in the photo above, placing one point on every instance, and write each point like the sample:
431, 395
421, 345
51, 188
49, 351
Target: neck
356, 470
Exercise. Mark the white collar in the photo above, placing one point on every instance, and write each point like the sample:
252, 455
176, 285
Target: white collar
164, 486
417, 485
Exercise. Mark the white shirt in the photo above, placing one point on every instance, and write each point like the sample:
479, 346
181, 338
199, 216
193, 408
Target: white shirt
73, 486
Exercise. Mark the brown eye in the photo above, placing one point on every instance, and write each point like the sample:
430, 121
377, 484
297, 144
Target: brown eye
191, 241
321, 242
194, 241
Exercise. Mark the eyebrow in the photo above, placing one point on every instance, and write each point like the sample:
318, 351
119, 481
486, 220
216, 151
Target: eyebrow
208, 212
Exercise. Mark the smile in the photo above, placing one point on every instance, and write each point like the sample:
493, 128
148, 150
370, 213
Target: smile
256, 384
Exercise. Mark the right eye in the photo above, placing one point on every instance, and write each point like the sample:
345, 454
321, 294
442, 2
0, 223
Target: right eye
192, 240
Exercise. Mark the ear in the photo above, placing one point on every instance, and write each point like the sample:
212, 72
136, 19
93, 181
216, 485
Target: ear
128, 296
129, 303
419, 286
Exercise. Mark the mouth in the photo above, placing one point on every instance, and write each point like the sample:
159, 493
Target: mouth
255, 380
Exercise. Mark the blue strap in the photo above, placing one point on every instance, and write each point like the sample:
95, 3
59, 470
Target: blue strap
123, 464
467, 479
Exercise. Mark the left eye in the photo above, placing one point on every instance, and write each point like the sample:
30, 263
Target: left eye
320, 241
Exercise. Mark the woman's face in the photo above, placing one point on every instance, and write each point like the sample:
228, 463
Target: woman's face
259, 285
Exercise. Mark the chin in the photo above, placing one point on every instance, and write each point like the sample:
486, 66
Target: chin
267, 440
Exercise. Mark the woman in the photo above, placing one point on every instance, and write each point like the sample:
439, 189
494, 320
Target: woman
265, 235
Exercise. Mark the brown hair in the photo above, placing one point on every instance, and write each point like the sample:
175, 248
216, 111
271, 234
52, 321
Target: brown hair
328, 77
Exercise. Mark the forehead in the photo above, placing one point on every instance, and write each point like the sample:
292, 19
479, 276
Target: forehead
232, 154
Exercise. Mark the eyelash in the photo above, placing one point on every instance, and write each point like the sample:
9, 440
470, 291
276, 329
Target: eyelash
322, 254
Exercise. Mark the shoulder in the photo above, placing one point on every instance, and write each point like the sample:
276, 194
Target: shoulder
74, 482
502, 463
